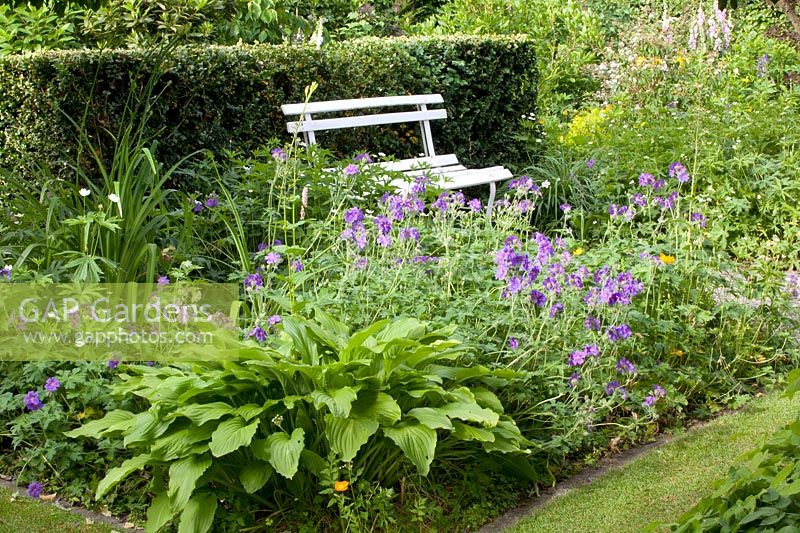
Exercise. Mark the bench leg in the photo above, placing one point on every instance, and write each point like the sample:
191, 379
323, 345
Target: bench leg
492, 190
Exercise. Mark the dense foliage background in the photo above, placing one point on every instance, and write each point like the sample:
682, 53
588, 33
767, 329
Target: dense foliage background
406, 359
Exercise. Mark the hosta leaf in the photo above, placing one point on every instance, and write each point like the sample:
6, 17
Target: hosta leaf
467, 432
430, 417
115, 475
96, 428
471, 412
284, 451
488, 399
255, 475
338, 401
418, 443
419, 393
360, 341
183, 476
200, 413
231, 435
182, 442
377, 406
347, 435
301, 340
313, 462
198, 515
159, 513
146, 427
251, 410
403, 328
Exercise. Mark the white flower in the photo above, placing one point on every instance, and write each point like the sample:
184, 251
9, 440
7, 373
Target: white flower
84, 192
114, 198
545, 184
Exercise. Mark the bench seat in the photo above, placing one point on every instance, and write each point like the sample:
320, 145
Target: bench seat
444, 170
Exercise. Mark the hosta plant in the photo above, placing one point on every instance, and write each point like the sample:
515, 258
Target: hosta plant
311, 395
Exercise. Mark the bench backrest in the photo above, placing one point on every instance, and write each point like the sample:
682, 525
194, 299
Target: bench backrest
308, 125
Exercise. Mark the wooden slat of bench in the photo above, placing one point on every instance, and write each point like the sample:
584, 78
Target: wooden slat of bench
409, 164
472, 177
360, 103
364, 120
459, 179
434, 171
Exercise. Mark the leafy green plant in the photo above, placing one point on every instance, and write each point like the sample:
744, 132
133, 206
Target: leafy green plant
760, 492
385, 398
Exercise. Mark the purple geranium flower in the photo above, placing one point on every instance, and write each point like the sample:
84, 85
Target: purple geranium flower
259, 333
538, 298
273, 258
353, 215
351, 170
555, 309
52, 384
113, 363
646, 179
410, 233
513, 343
32, 401
297, 265
590, 163
617, 333
659, 391
383, 224
699, 218
577, 358
363, 158
614, 386
198, 206
649, 401
163, 280
679, 172
211, 202
274, 319
566, 208
592, 350
475, 205
625, 367
592, 323
279, 154
253, 281
573, 380
34, 490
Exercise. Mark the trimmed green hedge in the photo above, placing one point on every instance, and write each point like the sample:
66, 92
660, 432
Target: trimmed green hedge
229, 97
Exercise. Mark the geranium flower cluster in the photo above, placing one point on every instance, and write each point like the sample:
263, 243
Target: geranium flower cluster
651, 185
400, 208
260, 333
32, 400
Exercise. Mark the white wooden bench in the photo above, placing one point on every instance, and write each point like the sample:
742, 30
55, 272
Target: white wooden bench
444, 170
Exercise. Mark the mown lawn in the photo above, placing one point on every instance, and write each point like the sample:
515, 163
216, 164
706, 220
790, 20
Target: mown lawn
22, 514
664, 483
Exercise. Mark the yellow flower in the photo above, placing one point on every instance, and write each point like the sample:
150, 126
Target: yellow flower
578, 251
681, 60
640, 60
667, 259
676, 352
341, 486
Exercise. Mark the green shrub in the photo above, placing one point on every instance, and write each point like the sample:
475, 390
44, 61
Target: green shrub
289, 417
229, 98
760, 494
